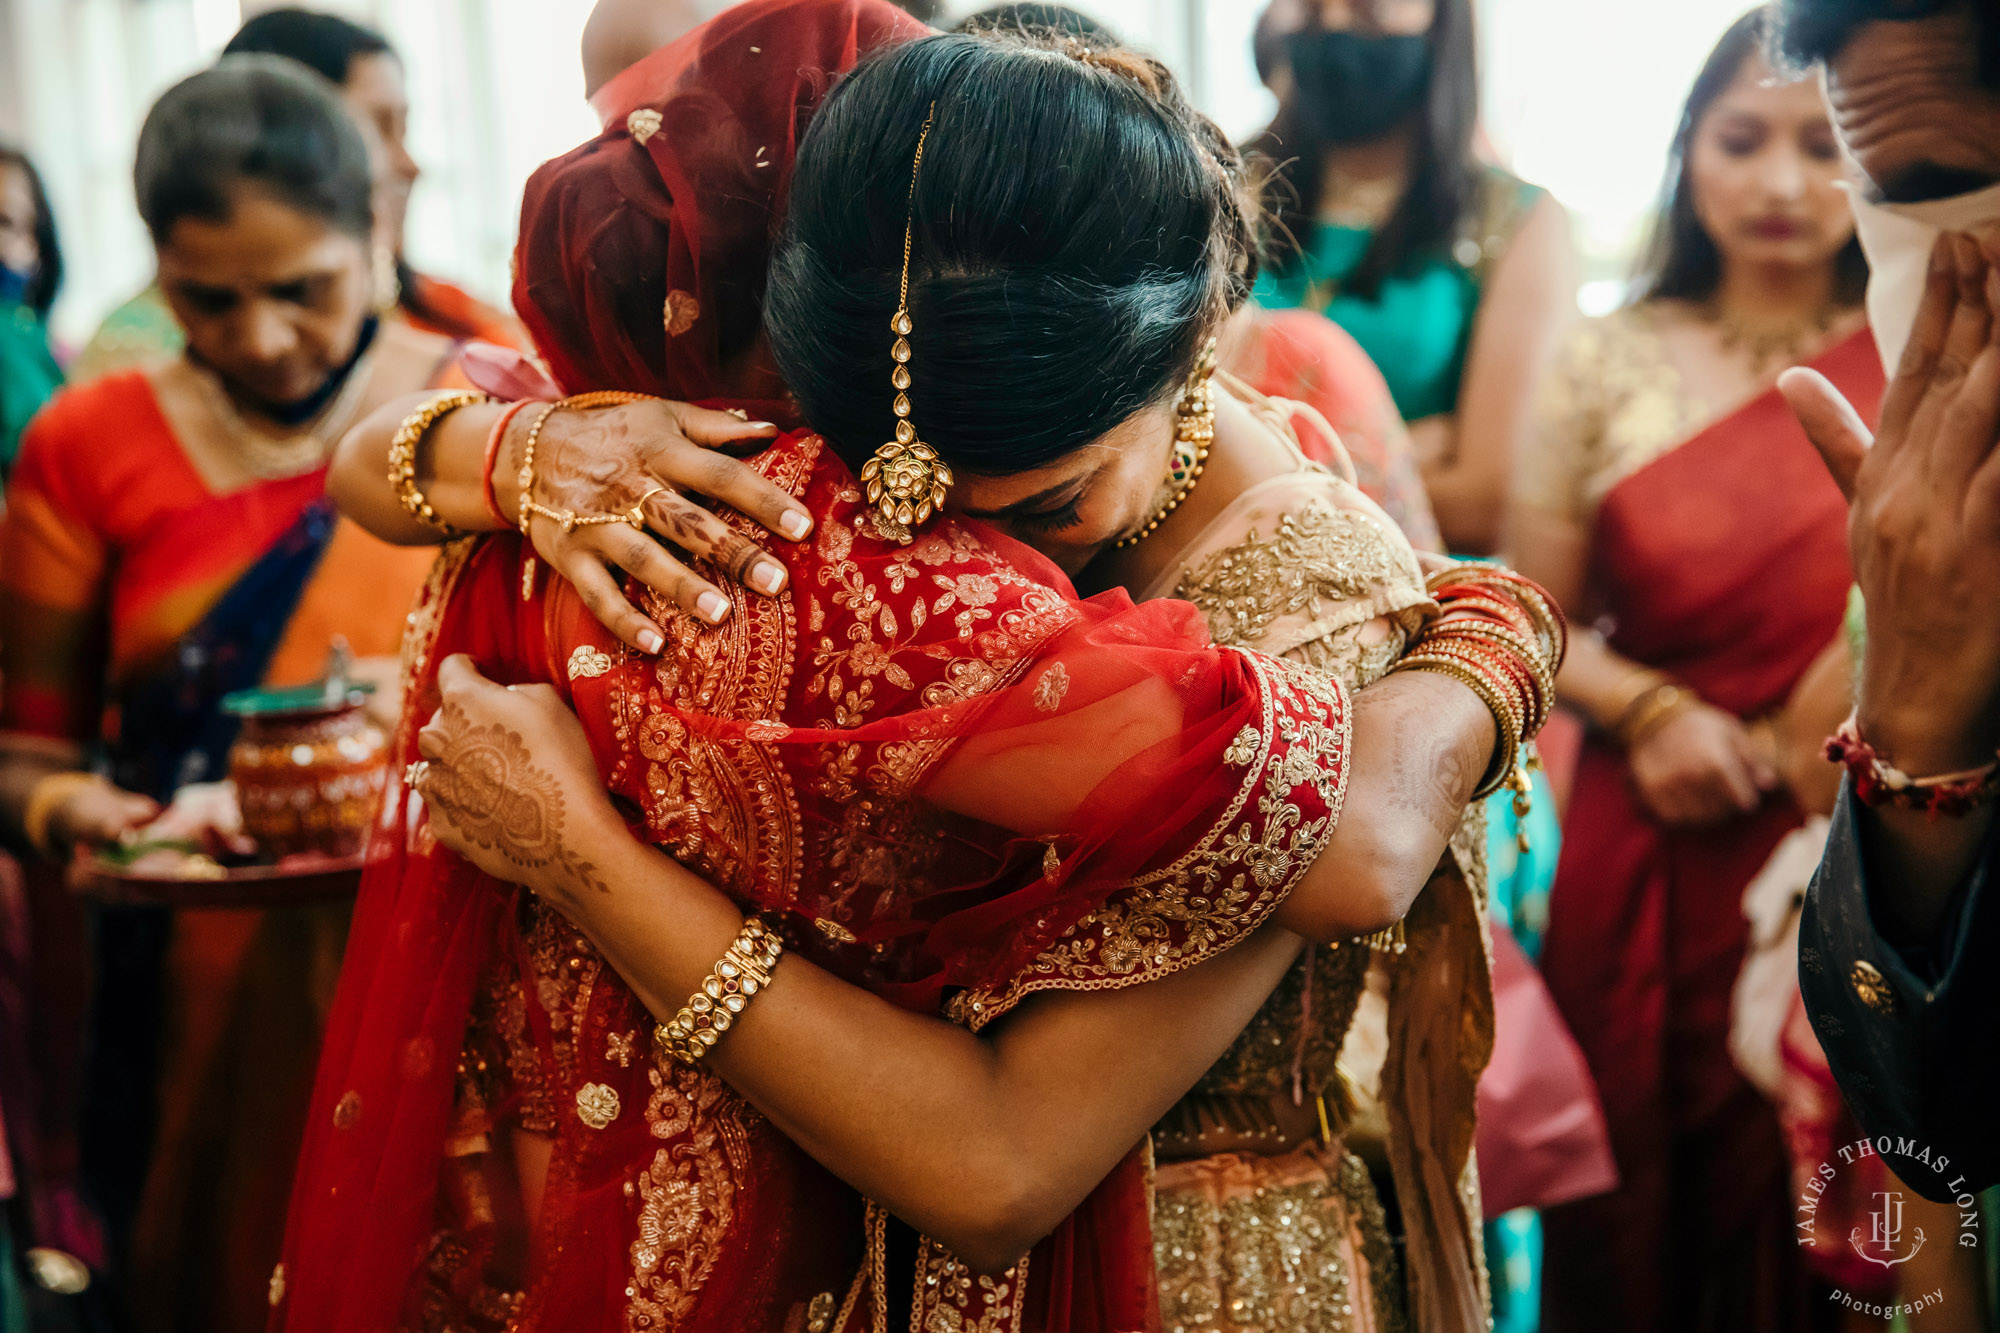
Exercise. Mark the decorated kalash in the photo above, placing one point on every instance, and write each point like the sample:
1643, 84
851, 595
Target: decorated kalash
287, 824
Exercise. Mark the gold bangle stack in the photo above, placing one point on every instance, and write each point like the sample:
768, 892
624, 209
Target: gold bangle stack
1500, 636
403, 453
45, 798
743, 970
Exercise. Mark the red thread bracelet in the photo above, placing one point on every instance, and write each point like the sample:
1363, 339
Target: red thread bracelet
493, 439
1878, 782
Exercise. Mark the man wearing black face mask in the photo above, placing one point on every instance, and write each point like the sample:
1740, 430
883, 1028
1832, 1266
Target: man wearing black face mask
1901, 928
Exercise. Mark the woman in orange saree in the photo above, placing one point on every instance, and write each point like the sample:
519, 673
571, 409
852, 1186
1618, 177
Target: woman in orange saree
168, 539
1709, 544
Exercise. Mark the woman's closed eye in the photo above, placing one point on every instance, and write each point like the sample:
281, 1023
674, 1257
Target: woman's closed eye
1066, 515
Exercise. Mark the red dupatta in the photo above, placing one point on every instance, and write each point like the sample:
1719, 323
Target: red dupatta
1178, 791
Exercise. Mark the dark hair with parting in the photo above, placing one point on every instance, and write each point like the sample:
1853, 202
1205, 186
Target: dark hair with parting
1680, 261
1029, 18
252, 121
1443, 174
326, 43
42, 289
1807, 32
1079, 231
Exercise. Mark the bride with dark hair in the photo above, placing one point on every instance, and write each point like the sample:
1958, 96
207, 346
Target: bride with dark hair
933, 776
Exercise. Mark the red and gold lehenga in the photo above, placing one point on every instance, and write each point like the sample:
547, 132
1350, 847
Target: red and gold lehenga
1175, 793
1718, 554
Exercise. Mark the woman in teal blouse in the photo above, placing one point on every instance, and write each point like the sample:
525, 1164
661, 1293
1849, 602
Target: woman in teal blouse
1455, 277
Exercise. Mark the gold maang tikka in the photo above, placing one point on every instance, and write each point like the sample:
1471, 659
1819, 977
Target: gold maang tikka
906, 481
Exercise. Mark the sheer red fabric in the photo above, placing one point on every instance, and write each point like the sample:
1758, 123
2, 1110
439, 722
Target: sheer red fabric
939, 773
643, 252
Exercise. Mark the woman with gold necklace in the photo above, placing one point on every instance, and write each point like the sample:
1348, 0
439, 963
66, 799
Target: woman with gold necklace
1201, 499
168, 540
1670, 498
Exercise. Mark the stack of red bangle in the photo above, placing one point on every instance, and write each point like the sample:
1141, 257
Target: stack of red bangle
1878, 782
1501, 635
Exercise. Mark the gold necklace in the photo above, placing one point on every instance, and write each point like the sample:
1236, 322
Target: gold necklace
1785, 342
1194, 434
272, 457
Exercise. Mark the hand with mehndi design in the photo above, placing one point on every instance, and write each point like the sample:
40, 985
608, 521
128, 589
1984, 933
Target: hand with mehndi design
654, 453
509, 783
597, 460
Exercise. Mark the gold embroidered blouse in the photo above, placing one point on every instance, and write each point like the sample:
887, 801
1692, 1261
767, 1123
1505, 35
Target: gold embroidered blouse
1613, 402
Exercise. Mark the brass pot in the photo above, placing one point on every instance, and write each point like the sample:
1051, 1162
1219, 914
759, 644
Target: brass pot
309, 769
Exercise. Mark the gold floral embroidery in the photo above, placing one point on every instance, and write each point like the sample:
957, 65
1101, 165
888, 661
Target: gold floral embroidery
597, 1104
1229, 882
682, 311
643, 124
687, 1194
1051, 689
1277, 1257
1612, 402
950, 1298
588, 663
1336, 569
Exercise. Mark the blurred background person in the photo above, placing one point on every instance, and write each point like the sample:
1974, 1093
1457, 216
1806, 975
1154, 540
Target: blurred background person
370, 77
31, 270
168, 541
1668, 497
1454, 276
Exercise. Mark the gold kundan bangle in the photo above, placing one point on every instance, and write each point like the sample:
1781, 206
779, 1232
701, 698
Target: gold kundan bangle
743, 970
403, 453
45, 798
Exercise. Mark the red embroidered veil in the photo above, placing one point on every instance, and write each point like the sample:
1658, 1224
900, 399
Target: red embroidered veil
936, 771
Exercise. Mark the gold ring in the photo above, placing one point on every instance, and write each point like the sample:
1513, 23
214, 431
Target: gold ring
636, 515
417, 771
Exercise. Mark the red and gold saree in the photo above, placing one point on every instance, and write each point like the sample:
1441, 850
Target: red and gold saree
1720, 558
1144, 799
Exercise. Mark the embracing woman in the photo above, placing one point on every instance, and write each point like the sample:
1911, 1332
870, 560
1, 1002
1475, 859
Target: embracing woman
942, 780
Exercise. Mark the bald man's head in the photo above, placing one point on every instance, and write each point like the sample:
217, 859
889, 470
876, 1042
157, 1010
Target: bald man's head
621, 33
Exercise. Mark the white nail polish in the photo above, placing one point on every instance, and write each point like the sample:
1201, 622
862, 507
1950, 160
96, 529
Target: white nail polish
767, 578
712, 606
794, 524
760, 425
651, 640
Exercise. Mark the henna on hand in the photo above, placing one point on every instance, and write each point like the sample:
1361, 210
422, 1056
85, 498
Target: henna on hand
1438, 769
495, 797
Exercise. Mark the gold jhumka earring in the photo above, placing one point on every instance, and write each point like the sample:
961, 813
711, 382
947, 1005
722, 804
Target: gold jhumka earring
1194, 435
906, 481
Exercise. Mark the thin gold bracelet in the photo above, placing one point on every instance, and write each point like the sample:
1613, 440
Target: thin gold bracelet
403, 453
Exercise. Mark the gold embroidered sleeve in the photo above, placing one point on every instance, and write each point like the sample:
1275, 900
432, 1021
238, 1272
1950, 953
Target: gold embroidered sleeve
1561, 448
1330, 587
